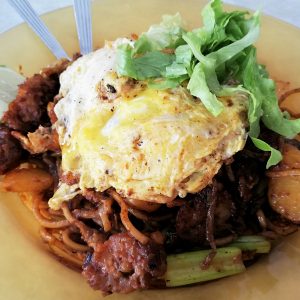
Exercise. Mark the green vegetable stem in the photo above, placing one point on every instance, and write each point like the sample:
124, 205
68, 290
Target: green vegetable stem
252, 243
186, 268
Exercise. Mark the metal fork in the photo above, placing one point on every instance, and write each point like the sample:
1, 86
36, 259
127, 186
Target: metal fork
26, 11
82, 10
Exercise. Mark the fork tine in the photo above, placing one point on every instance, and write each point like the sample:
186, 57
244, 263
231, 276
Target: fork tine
82, 10
26, 11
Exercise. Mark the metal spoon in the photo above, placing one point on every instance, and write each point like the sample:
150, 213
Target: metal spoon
82, 10
26, 11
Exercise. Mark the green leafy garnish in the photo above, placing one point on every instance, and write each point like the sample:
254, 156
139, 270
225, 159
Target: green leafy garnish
152, 64
275, 156
216, 59
199, 88
168, 34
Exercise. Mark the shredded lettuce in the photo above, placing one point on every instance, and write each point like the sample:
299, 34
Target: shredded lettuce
275, 155
198, 87
167, 34
205, 60
264, 102
166, 83
151, 65
253, 105
272, 116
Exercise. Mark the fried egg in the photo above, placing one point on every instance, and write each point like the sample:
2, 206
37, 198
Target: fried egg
150, 145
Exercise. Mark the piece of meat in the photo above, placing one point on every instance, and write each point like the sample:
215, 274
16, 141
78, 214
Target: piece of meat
121, 265
225, 209
55, 69
191, 218
248, 188
197, 222
10, 150
93, 237
42, 140
29, 109
93, 196
210, 218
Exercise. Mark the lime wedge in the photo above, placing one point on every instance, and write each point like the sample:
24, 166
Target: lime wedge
9, 81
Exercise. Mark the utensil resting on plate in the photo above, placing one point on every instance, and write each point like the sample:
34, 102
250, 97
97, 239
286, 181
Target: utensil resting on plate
82, 11
26, 11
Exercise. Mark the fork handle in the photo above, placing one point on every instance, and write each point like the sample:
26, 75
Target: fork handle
82, 10
25, 10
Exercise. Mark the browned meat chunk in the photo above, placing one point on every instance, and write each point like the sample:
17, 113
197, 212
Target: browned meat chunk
191, 218
10, 150
53, 70
93, 196
42, 140
29, 109
122, 264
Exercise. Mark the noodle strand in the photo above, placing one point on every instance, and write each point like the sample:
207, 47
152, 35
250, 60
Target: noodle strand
37, 198
143, 239
70, 243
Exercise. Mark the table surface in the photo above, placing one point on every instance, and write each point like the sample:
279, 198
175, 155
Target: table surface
287, 10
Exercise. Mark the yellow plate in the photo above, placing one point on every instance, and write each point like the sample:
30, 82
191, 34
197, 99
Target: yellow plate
27, 270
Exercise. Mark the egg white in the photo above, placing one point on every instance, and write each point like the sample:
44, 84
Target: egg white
148, 144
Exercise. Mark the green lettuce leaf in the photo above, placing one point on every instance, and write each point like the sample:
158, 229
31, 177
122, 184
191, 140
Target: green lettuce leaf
166, 83
124, 62
227, 52
184, 55
208, 58
275, 155
175, 70
198, 87
264, 102
211, 35
167, 34
151, 65
250, 75
272, 116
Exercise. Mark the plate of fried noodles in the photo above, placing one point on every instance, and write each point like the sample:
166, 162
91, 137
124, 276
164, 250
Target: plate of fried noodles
165, 164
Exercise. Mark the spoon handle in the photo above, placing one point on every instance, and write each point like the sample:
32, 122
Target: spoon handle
25, 10
82, 10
